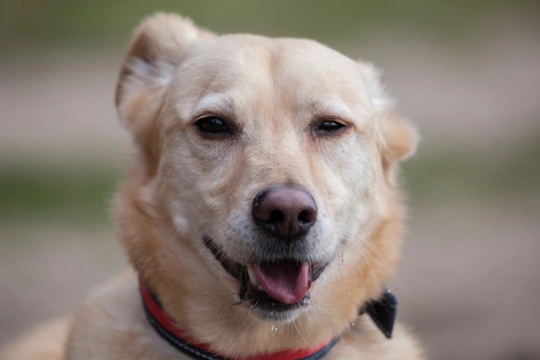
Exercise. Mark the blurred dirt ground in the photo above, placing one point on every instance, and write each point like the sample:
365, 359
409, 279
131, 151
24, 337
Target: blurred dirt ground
469, 282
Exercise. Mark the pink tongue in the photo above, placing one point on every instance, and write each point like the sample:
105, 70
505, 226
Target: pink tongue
285, 281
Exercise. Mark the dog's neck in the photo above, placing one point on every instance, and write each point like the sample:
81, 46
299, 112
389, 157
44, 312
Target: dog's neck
176, 337
382, 312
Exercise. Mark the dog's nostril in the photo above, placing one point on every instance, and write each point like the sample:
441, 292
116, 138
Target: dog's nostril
276, 216
307, 216
286, 212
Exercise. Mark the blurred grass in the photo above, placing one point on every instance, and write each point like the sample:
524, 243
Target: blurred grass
56, 194
36, 23
77, 194
452, 178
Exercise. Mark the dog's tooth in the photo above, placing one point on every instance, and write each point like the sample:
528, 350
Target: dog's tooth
252, 277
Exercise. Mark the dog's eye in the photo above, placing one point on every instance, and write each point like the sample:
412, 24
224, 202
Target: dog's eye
329, 126
213, 126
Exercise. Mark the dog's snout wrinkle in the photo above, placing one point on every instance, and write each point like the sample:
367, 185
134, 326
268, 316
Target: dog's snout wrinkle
287, 212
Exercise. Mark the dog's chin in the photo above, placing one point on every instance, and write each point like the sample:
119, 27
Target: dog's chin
264, 301
283, 315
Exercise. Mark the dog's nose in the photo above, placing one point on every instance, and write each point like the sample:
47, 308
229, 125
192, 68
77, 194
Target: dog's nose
287, 212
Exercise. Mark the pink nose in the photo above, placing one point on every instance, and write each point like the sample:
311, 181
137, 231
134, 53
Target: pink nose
286, 212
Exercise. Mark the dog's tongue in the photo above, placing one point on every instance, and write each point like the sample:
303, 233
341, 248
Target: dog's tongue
284, 281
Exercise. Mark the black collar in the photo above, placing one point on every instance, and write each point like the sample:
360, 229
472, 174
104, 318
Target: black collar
382, 311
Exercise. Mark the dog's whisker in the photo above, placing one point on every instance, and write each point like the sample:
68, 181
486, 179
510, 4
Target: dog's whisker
299, 333
376, 250
153, 256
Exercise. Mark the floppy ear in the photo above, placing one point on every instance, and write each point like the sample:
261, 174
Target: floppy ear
399, 137
158, 47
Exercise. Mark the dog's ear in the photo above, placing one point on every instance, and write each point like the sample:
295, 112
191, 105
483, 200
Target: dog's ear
399, 137
158, 47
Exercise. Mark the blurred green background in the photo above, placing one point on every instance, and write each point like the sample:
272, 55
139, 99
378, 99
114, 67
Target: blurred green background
467, 73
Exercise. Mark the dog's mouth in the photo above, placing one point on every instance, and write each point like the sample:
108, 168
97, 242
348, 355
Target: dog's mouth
271, 286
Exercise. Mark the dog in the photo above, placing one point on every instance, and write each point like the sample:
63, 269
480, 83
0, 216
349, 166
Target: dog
262, 215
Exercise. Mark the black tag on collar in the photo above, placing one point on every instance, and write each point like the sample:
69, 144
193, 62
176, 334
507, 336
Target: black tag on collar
382, 311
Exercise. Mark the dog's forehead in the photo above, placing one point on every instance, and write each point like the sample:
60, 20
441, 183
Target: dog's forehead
252, 71
273, 53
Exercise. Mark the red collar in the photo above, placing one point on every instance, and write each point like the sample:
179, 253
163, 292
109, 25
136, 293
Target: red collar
168, 330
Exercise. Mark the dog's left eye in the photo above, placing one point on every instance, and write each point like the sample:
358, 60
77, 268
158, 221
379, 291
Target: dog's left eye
213, 126
329, 126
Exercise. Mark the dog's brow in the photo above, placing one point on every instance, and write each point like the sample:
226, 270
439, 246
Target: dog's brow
333, 107
213, 103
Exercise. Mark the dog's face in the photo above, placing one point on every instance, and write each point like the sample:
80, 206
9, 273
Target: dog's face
269, 161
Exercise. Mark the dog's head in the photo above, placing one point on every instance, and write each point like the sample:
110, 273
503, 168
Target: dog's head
266, 177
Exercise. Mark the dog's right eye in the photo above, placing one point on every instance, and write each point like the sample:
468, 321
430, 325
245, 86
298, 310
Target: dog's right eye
329, 128
213, 126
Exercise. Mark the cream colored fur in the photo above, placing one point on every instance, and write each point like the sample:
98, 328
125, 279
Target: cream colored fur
183, 185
